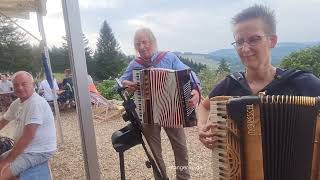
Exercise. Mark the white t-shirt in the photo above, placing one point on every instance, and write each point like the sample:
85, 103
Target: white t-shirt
34, 110
47, 92
5, 86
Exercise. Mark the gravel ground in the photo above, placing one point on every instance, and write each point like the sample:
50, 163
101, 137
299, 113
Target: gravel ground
68, 163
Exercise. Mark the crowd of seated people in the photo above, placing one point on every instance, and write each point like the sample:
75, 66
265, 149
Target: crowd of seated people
64, 91
6, 91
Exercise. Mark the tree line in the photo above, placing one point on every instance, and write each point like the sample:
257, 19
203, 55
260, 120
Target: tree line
107, 61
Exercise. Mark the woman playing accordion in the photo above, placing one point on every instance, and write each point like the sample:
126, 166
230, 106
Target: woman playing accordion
254, 30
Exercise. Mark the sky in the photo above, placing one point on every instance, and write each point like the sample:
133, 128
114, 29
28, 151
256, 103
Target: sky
198, 26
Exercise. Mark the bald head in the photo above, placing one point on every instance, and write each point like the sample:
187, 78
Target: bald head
22, 73
23, 84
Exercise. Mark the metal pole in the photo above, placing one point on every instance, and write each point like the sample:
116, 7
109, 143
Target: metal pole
122, 166
79, 71
46, 52
2, 14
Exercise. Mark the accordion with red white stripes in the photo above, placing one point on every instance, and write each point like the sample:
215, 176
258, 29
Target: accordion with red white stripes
162, 97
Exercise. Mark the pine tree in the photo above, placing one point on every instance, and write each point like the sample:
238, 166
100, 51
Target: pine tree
108, 58
89, 56
196, 67
15, 51
60, 58
223, 67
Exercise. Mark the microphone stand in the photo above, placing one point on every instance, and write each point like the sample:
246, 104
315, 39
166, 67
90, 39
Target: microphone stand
131, 135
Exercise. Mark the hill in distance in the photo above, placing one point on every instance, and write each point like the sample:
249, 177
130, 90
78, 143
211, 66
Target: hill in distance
279, 52
212, 59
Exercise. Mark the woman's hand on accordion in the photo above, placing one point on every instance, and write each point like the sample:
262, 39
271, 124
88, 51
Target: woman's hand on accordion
208, 136
193, 102
130, 86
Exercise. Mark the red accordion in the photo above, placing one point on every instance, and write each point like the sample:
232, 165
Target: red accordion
163, 97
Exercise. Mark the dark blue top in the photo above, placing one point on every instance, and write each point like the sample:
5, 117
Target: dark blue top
298, 83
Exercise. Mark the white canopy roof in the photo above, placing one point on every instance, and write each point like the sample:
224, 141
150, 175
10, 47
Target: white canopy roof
22, 8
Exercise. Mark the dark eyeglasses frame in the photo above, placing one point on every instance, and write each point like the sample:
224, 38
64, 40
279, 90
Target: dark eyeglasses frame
251, 41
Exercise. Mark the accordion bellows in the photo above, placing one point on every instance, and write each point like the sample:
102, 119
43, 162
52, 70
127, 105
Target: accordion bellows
163, 97
266, 137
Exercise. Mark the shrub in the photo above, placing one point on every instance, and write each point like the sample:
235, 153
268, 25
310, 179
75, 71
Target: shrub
106, 89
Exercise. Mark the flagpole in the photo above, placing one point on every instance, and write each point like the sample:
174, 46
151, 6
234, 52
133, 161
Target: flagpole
44, 46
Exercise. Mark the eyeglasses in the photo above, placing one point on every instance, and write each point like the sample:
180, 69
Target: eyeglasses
252, 41
137, 44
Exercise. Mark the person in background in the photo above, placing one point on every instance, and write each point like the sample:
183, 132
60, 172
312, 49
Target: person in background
67, 95
67, 78
6, 92
5, 84
46, 91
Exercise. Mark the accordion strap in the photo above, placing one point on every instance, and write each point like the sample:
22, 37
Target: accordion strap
148, 64
196, 86
283, 78
278, 81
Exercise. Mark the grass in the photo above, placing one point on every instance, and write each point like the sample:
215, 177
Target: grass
58, 76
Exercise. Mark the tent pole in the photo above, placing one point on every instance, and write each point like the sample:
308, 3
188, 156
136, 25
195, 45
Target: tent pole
7, 17
44, 46
71, 13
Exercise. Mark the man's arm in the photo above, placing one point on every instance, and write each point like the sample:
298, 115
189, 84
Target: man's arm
3, 123
130, 86
28, 134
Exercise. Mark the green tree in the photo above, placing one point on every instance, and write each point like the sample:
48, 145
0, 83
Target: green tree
59, 59
210, 77
109, 61
15, 51
89, 56
196, 67
306, 59
223, 67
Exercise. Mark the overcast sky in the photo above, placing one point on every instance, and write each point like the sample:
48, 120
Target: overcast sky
199, 26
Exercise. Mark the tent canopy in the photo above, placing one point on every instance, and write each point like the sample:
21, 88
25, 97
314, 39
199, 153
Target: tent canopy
22, 8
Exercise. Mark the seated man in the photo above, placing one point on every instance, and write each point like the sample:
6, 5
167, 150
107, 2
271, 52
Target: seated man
35, 133
67, 96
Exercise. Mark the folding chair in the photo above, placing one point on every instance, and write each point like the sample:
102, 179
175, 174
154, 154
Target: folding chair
104, 109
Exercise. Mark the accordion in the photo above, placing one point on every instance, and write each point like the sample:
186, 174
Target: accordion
266, 137
162, 97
